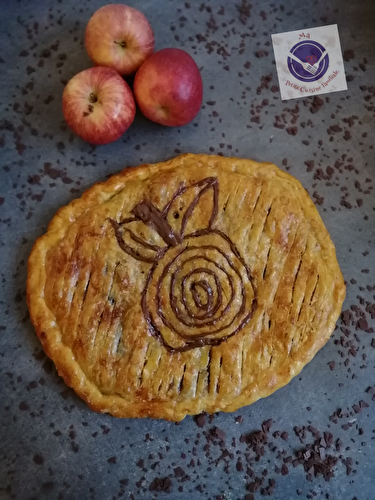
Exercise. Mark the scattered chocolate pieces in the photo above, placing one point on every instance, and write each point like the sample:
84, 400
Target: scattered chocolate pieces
252, 460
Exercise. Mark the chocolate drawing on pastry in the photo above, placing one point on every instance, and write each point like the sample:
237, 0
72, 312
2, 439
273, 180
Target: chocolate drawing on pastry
198, 290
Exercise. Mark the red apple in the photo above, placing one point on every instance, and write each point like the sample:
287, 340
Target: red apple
168, 87
98, 105
119, 37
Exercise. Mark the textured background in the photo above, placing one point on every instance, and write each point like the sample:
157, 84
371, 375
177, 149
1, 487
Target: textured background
52, 445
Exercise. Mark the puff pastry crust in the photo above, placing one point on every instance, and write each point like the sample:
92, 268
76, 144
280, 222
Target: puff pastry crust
202, 283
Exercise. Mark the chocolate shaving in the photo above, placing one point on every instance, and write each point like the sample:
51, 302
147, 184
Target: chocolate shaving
200, 419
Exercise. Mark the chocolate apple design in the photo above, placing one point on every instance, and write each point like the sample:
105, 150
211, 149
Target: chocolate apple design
199, 289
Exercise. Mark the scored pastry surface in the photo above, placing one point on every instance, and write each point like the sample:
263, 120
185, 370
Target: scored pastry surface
202, 283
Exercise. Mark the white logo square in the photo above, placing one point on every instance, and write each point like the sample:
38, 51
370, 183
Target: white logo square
309, 62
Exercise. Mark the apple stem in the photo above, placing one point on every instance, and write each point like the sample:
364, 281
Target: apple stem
92, 98
123, 44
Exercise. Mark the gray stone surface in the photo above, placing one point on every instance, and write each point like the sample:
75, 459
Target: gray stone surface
52, 445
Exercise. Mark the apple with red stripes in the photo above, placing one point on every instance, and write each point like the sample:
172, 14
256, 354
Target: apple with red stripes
98, 105
119, 37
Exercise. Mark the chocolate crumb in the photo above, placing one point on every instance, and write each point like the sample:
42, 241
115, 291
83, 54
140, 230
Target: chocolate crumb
179, 472
200, 419
292, 130
161, 484
220, 433
284, 436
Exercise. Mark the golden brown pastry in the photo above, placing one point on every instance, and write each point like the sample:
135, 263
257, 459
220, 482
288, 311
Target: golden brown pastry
201, 283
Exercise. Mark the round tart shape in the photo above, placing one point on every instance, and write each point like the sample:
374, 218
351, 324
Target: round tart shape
202, 283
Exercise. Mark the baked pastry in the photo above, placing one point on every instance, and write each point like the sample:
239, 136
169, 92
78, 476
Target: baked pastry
202, 283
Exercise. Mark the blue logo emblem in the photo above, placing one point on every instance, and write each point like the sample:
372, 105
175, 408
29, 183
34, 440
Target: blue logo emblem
308, 61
